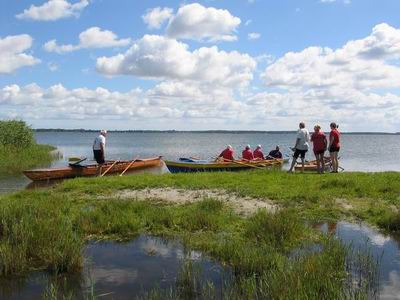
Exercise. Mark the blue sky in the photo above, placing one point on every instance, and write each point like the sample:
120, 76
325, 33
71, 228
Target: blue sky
216, 64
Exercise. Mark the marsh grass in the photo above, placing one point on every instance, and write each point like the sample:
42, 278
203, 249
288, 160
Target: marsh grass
47, 229
18, 148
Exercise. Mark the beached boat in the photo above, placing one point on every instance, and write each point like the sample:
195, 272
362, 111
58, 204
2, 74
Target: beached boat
311, 166
188, 165
80, 170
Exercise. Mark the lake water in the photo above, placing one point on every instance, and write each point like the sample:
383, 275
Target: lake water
127, 270
367, 153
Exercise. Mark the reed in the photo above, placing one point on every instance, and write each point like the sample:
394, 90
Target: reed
18, 148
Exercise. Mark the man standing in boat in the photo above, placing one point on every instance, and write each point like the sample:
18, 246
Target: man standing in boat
99, 149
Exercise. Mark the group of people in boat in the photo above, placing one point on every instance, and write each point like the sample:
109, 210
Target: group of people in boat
320, 145
247, 154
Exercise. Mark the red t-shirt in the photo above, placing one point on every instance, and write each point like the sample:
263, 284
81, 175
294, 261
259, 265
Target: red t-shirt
335, 134
258, 154
247, 154
318, 140
227, 154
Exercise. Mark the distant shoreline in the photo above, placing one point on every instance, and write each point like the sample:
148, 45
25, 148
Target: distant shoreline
201, 131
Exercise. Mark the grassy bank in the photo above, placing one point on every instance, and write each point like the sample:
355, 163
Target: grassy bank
47, 229
18, 148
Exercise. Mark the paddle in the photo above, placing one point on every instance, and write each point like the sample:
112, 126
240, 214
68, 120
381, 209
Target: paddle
131, 163
244, 164
109, 168
76, 163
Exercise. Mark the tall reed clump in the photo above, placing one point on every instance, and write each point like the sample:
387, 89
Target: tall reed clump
38, 234
18, 148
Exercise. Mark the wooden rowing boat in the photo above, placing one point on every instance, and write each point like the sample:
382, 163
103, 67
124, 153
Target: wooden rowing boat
185, 165
311, 166
72, 171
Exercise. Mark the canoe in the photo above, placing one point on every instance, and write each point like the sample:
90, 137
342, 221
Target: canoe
186, 165
72, 171
311, 166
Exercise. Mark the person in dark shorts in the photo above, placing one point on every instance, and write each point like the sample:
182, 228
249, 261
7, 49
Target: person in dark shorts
301, 146
99, 146
334, 146
319, 147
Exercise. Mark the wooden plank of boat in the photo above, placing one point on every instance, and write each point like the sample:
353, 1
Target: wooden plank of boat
90, 170
311, 166
203, 166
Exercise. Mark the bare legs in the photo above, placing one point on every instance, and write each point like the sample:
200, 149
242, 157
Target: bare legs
335, 163
320, 163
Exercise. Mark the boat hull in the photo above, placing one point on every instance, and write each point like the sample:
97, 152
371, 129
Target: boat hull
311, 166
191, 167
90, 170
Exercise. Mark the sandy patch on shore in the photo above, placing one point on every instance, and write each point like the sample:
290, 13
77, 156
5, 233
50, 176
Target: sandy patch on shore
241, 205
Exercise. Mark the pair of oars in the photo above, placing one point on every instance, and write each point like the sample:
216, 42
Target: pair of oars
123, 172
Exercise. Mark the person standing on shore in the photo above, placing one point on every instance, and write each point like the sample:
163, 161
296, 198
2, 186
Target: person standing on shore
301, 146
320, 144
334, 146
99, 149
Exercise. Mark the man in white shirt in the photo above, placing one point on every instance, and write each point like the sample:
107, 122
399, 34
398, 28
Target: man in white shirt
99, 147
301, 146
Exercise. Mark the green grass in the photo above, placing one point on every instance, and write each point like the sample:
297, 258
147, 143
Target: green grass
19, 150
14, 160
47, 229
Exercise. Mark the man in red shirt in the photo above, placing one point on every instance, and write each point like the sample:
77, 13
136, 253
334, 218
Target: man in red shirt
319, 146
227, 154
247, 154
334, 146
258, 154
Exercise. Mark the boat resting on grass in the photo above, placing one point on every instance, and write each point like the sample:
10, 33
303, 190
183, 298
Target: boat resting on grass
311, 166
79, 170
188, 165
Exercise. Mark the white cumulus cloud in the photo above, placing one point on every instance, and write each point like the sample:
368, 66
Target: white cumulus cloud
160, 57
53, 10
93, 37
155, 17
194, 21
12, 56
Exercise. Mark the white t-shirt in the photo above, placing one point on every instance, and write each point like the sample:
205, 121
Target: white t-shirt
97, 141
304, 137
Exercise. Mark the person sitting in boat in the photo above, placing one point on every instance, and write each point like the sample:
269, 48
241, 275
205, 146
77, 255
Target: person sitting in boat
275, 153
258, 154
247, 154
227, 154
99, 149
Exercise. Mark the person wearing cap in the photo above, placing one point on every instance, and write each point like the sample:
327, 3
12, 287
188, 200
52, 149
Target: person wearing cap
99, 147
247, 154
258, 154
227, 153
275, 153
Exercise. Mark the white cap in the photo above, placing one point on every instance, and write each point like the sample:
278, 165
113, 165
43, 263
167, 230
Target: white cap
259, 146
248, 147
229, 147
103, 132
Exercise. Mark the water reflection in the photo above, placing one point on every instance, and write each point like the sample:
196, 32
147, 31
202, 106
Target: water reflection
120, 271
384, 248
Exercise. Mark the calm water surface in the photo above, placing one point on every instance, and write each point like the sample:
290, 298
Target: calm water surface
121, 271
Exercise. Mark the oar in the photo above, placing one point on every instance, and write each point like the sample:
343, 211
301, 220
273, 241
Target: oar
131, 163
106, 171
244, 164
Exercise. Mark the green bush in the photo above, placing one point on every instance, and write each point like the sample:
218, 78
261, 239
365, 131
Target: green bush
16, 133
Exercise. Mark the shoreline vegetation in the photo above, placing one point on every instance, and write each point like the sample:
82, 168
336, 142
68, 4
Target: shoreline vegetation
47, 229
19, 150
202, 131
